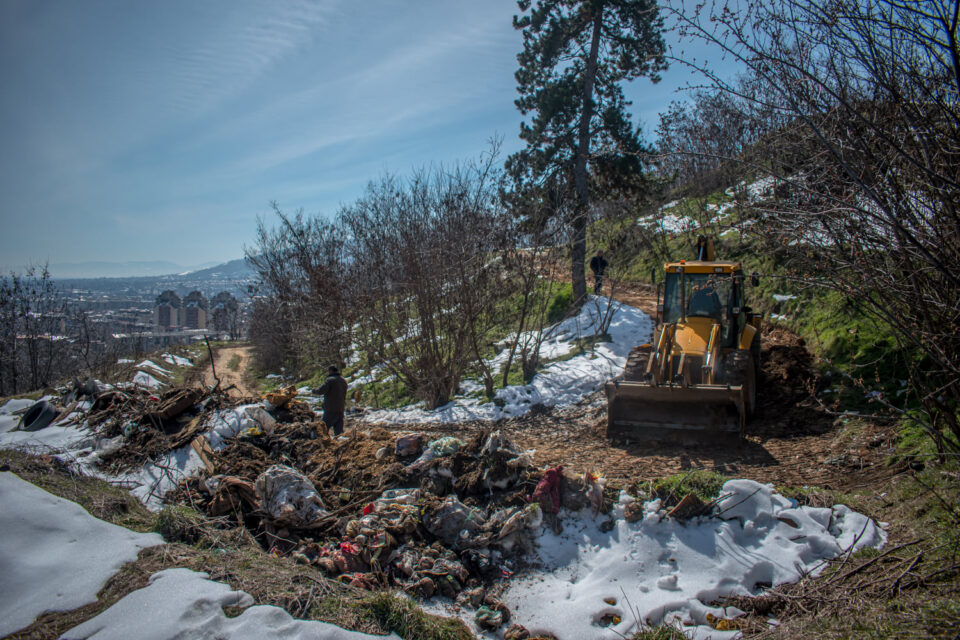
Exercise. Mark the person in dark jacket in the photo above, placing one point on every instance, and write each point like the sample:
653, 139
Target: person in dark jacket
598, 265
334, 392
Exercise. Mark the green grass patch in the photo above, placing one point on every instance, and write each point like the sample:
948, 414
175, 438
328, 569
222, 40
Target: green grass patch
393, 612
663, 632
560, 302
704, 484
33, 395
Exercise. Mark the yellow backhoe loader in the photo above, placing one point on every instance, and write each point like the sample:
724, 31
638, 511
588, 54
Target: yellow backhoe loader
697, 380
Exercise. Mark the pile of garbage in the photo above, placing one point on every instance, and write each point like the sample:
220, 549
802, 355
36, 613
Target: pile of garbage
444, 517
133, 425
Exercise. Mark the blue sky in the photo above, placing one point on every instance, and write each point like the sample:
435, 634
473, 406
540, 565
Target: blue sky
160, 130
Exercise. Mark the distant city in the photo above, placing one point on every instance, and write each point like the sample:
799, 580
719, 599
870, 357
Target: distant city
150, 312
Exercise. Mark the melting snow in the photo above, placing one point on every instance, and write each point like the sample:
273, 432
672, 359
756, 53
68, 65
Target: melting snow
180, 603
667, 223
667, 571
560, 383
144, 379
7, 421
152, 366
55, 556
177, 361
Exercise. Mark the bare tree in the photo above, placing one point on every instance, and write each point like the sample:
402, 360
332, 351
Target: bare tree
37, 342
301, 315
853, 109
430, 278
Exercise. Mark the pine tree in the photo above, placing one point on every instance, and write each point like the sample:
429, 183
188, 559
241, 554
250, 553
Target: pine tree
576, 54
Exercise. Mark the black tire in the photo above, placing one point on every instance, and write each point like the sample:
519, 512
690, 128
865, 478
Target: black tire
39, 416
739, 370
636, 365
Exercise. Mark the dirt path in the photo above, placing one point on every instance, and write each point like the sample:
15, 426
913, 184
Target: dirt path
641, 296
233, 368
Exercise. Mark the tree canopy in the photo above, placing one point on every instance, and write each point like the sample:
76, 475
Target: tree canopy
576, 54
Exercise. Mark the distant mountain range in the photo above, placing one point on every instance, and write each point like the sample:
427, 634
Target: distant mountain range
102, 269
234, 269
233, 276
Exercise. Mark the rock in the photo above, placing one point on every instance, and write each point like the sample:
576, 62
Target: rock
516, 632
633, 512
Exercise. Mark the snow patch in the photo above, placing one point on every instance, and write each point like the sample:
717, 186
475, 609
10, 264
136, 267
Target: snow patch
177, 361
55, 556
144, 379
560, 383
180, 603
9, 422
152, 366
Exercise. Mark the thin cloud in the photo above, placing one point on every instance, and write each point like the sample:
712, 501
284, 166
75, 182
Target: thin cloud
211, 67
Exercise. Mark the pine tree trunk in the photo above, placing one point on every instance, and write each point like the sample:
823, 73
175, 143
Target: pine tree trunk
579, 224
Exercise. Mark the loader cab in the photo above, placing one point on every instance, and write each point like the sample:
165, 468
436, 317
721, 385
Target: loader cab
710, 290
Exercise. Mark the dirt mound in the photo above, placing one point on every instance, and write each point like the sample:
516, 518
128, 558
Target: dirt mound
786, 406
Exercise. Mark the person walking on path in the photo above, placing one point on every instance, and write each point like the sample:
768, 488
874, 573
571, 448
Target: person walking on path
334, 392
599, 266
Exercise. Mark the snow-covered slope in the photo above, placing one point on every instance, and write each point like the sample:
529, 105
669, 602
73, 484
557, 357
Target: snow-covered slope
560, 383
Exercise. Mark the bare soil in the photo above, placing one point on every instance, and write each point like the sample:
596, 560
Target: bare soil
238, 375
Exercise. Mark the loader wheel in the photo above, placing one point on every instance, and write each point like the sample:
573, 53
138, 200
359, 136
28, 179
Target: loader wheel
739, 369
636, 365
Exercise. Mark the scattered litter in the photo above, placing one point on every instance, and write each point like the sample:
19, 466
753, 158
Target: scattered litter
177, 361
39, 416
279, 398
289, 497
409, 446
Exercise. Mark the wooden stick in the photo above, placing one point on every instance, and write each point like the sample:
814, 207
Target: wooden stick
875, 559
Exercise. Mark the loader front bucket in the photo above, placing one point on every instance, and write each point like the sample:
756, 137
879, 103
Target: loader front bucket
638, 411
